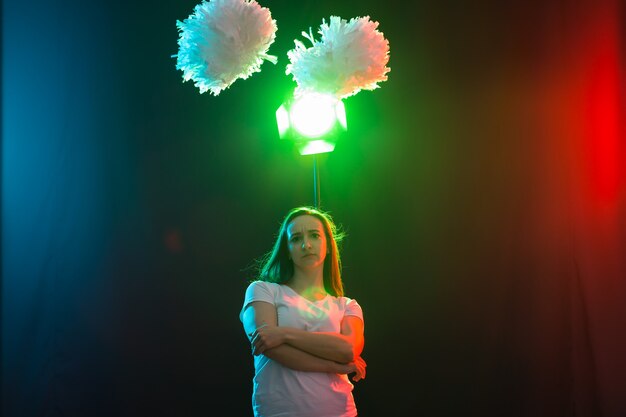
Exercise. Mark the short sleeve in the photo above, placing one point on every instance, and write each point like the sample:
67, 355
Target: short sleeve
353, 309
257, 291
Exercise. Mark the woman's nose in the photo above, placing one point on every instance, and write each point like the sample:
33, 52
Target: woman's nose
306, 243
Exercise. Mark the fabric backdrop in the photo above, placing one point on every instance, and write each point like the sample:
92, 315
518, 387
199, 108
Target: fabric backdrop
482, 188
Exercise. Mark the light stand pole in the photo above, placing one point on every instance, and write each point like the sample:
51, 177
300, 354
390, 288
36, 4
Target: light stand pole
316, 183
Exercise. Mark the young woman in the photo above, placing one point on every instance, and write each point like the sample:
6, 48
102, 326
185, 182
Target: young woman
306, 336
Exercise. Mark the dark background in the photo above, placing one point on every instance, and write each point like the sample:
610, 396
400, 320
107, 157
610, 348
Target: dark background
481, 187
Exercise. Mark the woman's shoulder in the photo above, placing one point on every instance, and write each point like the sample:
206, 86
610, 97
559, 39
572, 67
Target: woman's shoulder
262, 291
349, 304
264, 285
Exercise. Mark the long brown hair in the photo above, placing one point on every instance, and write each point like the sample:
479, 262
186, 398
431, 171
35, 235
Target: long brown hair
276, 266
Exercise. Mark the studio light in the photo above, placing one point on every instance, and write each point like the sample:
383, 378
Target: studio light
313, 122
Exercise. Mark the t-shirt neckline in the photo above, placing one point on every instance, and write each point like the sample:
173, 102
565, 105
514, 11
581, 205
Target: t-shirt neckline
304, 298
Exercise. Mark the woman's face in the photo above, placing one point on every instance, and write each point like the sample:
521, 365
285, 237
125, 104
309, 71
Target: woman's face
306, 242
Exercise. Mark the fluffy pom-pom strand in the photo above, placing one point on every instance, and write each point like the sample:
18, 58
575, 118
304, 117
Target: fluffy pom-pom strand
350, 56
222, 41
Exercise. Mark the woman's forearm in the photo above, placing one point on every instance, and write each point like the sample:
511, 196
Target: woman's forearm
332, 346
298, 360
341, 347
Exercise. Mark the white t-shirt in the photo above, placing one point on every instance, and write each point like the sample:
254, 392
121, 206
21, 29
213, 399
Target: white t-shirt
282, 392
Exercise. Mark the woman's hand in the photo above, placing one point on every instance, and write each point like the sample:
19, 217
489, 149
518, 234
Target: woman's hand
357, 367
360, 366
266, 337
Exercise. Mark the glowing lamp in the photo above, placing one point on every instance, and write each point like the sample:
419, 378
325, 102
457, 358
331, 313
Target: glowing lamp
313, 122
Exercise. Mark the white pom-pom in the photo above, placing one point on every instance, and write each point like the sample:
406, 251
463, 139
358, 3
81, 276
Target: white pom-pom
349, 57
223, 40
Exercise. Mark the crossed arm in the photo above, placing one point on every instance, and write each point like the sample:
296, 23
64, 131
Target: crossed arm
305, 351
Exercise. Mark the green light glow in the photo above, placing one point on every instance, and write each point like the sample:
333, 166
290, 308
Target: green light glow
282, 119
314, 115
316, 146
314, 122
340, 111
